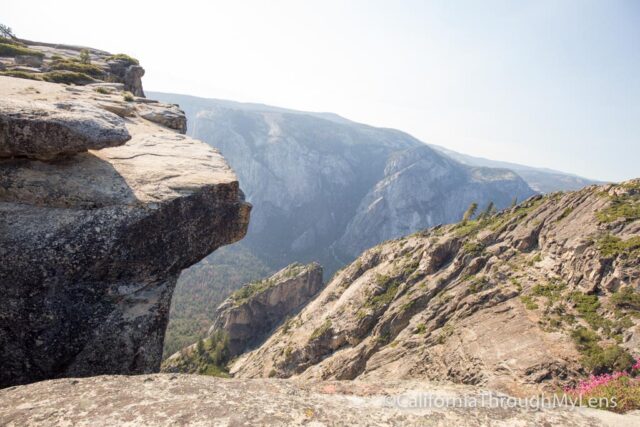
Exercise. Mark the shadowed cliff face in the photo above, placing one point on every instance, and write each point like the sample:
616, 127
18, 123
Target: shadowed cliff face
91, 245
524, 301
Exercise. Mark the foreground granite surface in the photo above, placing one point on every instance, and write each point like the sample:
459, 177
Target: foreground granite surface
172, 399
91, 245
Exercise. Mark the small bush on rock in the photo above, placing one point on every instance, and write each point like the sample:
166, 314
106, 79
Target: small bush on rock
12, 50
123, 57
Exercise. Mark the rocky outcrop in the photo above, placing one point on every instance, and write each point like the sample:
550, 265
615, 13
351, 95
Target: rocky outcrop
61, 63
130, 74
166, 399
166, 115
524, 301
91, 245
255, 309
43, 131
250, 314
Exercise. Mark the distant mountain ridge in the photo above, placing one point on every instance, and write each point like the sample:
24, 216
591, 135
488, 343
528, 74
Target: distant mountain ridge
325, 188
543, 180
540, 179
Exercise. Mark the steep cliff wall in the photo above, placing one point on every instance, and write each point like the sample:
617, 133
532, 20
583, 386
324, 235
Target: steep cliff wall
252, 311
246, 318
92, 242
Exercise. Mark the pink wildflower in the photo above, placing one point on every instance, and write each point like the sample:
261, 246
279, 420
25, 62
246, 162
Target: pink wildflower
587, 385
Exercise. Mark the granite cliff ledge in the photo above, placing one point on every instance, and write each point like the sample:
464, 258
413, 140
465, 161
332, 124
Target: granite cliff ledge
92, 242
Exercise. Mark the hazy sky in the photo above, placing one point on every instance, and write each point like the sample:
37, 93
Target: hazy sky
546, 83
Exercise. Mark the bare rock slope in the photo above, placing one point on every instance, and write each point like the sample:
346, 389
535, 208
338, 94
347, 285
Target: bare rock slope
523, 301
166, 399
91, 245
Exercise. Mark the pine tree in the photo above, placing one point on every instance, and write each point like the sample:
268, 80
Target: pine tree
85, 57
489, 210
6, 31
470, 212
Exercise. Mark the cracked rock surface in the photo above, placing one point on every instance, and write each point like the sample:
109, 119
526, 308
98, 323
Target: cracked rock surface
166, 399
91, 245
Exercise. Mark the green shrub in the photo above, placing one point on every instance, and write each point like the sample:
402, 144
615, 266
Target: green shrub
384, 338
7, 40
123, 57
587, 306
12, 50
584, 339
293, 270
421, 328
210, 356
79, 67
476, 283
489, 219
610, 359
515, 282
626, 298
67, 77
214, 371
408, 305
21, 75
535, 259
390, 288
565, 213
529, 302
600, 360
612, 246
625, 206
468, 228
85, 56
552, 290
128, 96
473, 248
321, 330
